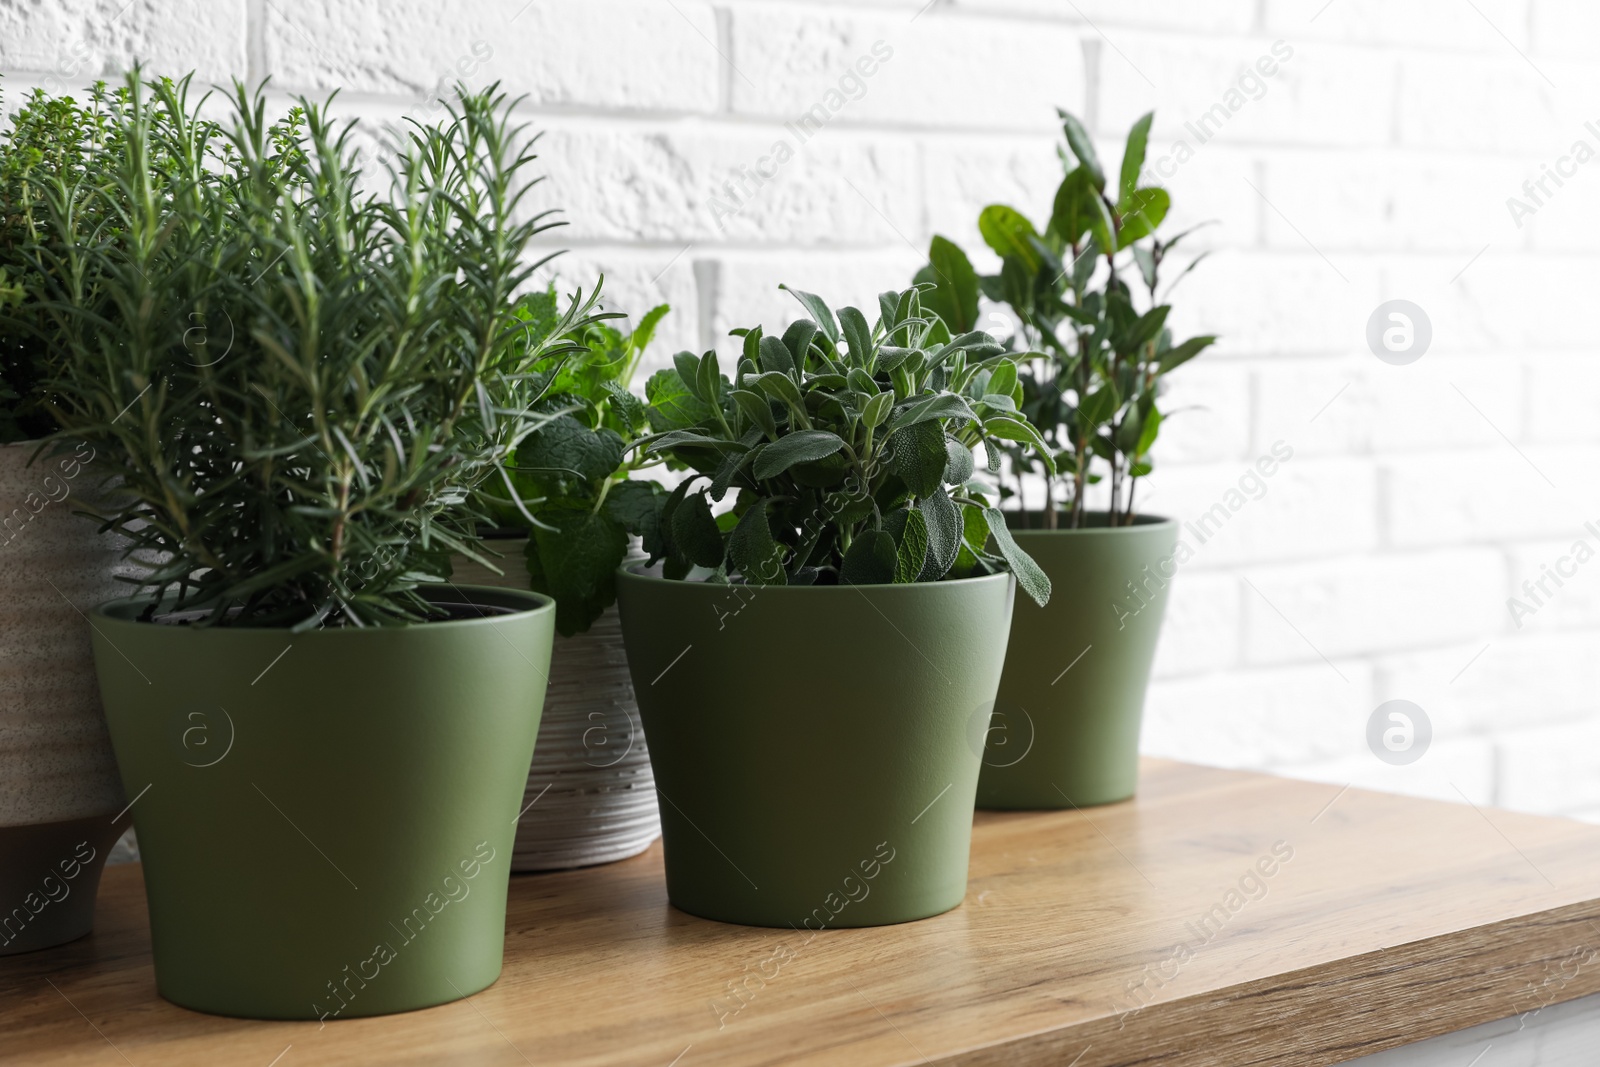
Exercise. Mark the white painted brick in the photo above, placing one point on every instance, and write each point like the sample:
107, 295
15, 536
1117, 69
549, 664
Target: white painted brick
621, 182
963, 175
1279, 302
1448, 771
1322, 94
1206, 409
1494, 105
1551, 770
1416, 24
1563, 398
1223, 16
1446, 498
1201, 629
1566, 28
1362, 605
601, 53
792, 59
1548, 599
1306, 508
68, 44
1258, 718
1499, 681
1388, 200
1494, 301
1361, 404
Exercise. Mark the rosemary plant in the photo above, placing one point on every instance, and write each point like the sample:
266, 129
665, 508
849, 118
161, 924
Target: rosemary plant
301, 383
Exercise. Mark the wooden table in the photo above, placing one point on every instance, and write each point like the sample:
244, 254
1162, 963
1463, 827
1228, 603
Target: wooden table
1383, 920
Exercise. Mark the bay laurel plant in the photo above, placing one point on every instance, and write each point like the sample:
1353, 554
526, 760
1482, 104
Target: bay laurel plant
849, 451
1096, 350
300, 383
573, 475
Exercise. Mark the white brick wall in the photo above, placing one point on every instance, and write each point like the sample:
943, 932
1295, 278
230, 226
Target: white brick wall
1381, 153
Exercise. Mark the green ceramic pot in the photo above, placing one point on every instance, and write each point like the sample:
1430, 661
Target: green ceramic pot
815, 748
326, 818
1065, 731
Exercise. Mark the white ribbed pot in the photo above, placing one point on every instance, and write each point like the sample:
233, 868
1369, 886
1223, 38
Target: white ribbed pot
59, 788
591, 796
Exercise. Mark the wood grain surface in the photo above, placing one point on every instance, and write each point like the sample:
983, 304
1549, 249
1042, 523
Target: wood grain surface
1097, 938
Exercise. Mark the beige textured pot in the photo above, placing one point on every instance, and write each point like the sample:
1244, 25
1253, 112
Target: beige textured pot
60, 796
591, 797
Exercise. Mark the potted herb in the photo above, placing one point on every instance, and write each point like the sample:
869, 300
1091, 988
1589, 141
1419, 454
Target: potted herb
570, 510
324, 742
811, 662
61, 802
1066, 726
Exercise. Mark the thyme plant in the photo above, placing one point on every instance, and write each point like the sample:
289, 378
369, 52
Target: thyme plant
849, 448
301, 384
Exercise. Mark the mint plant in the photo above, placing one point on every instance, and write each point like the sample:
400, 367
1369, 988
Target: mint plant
1094, 353
848, 448
572, 484
299, 384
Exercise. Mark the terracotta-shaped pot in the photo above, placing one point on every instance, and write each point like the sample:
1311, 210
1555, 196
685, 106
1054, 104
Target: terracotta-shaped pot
1065, 730
59, 790
325, 817
591, 796
816, 747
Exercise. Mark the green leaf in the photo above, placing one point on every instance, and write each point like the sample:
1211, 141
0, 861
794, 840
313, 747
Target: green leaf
797, 339
1030, 577
687, 364
1147, 432
695, 533
819, 312
1007, 231
671, 405
709, 383
959, 463
780, 386
637, 505
1098, 408
942, 520
1145, 210
954, 297
858, 335
912, 554
802, 446
775, 356
871, 560
939, 406
1133, 160
1082, 146
919, 457
1173, 358
877, 409
567, 454
1010, 429
575, 561
1079, 210
758, 409
974, 538
752, 551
